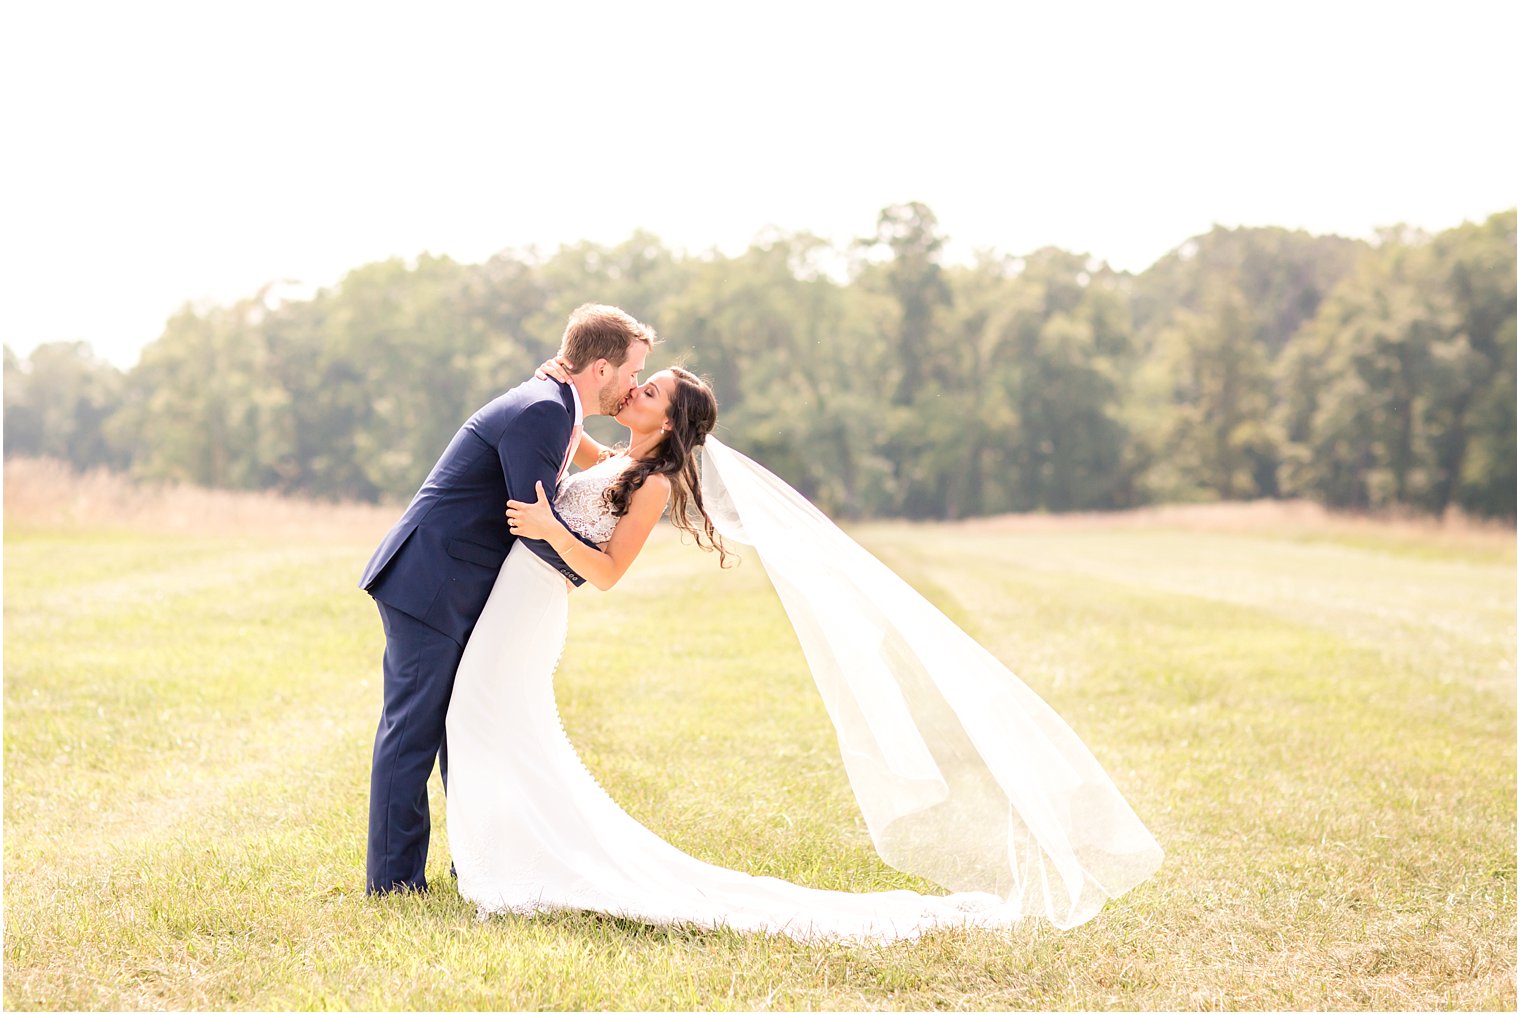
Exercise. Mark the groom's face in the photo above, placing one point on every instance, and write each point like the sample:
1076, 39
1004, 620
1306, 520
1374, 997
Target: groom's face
621, 380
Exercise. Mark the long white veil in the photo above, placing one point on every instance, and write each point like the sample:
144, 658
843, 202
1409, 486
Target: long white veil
964, 775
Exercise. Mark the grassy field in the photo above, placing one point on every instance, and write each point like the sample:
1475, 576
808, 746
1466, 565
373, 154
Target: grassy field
1315, 717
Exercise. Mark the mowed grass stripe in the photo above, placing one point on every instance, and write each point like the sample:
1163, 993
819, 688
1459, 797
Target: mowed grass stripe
1456, 616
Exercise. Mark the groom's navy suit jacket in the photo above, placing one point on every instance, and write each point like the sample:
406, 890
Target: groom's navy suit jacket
440, 560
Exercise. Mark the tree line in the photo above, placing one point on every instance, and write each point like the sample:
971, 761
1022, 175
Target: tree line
876, 378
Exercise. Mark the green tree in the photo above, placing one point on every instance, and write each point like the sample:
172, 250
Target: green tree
1281, 276
1473, 408
1379, 381
196, 408
57, 402
790, 365
921, 426
914, 278
1048, 336
1203, 405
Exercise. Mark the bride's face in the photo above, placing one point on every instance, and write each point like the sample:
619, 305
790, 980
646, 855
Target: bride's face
649, 406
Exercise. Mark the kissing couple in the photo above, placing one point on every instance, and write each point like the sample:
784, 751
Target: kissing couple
962, 773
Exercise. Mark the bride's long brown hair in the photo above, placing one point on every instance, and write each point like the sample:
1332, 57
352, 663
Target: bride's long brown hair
692, 415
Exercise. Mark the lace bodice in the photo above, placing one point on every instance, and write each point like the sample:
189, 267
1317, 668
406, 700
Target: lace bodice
580, 503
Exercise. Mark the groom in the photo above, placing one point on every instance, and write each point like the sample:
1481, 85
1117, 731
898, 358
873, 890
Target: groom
432, 573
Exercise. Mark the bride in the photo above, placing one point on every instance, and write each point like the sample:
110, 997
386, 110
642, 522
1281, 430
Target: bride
963, 774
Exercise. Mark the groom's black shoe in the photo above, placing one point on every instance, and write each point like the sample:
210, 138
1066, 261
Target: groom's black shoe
397, 888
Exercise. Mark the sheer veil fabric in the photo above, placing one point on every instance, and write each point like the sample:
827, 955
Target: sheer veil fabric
963, 774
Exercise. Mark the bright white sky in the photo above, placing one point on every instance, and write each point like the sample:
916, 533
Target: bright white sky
158, 153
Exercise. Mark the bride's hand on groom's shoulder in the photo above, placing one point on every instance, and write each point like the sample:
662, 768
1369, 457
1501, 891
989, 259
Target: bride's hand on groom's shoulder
552, 368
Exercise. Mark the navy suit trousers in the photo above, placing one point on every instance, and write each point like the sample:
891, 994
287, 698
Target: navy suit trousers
419, 678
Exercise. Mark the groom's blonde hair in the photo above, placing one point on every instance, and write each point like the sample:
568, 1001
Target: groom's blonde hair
596, 331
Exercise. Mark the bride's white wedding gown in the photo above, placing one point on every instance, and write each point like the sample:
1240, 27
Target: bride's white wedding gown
530, 830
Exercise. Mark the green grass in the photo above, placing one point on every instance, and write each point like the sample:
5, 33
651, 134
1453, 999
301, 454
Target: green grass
1320, 732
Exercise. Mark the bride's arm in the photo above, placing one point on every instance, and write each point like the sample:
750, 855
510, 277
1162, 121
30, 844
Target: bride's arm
589, 451
603, 567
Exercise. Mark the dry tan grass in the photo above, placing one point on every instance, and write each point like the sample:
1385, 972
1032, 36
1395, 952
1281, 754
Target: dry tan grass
42, 493
46, 493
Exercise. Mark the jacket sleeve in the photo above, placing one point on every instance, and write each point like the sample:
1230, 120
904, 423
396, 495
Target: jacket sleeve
531, 450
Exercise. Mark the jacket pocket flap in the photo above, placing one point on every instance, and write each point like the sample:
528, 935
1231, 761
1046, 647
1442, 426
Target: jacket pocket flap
475, 553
